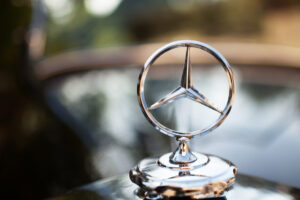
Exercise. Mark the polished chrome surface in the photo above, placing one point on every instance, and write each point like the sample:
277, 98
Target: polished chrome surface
121, 188
209, 177
186, 89
182, 154
183, 173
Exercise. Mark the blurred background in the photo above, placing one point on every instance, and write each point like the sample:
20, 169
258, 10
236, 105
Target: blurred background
69, 68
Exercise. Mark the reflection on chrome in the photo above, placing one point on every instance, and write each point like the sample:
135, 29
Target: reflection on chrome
245, 188
81, 93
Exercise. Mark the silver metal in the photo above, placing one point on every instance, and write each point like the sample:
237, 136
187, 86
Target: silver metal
182, 154
185, 173
186, 89
212, 178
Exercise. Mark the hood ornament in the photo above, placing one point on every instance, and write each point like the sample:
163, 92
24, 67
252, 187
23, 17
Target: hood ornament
184, 173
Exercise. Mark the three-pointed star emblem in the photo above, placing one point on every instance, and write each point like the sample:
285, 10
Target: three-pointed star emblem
186, 89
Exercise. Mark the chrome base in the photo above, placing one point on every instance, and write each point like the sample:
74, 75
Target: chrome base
208, 176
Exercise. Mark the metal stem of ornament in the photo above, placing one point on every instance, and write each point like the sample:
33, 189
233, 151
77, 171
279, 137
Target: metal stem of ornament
183, 154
